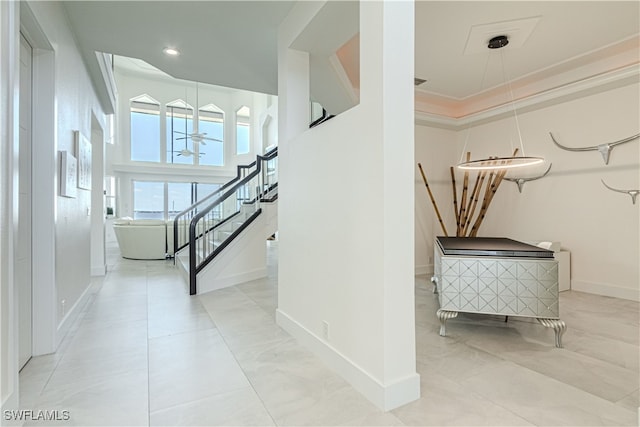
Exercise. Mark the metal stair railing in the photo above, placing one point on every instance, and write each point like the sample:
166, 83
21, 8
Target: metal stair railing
214, 226
183, 219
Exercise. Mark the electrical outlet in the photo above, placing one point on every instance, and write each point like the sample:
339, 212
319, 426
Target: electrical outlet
325, 330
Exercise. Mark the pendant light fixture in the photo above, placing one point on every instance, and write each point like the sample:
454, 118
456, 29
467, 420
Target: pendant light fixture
498, 163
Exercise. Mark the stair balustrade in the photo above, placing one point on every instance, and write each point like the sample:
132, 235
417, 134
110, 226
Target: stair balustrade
210, 225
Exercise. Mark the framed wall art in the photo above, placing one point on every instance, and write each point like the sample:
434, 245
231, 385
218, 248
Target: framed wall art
68, 174
83, 149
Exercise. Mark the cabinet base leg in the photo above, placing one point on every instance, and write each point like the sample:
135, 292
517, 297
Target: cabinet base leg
443, 316
558, 326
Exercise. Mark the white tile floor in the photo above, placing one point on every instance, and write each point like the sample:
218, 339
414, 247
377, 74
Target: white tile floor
145, 353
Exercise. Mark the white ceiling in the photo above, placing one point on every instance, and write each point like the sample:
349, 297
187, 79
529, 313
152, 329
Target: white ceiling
233, 43
227, 43
564, 31
568, 43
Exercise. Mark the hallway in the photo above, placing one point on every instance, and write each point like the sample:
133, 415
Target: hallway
145, 353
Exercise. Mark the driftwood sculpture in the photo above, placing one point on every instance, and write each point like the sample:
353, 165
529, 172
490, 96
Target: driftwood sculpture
465, 208
604, 149
632, 193
520, 181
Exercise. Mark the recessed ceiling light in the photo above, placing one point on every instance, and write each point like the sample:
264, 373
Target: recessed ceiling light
171, 51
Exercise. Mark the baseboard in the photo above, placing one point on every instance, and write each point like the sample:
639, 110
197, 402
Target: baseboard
72, 315
421, 270
100, 270
606, 290
232, 280
385, 397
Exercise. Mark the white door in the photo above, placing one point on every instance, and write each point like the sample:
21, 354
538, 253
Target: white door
23, 243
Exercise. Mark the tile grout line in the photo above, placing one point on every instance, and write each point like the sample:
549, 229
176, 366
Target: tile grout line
148, 352
68, 337
238, 362
617, 402
213, 328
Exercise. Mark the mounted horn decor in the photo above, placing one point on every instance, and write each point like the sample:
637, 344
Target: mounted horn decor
632, 193
520, 181
604, 149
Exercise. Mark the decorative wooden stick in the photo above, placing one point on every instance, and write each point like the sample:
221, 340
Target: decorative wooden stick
455, 199
475, 197
463, 200
492, 187
468, 214
433, 201
484, 206
500, 177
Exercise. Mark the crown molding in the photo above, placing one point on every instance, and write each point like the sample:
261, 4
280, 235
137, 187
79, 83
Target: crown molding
600, 83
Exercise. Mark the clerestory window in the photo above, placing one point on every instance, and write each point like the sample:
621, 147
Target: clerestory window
180, 146
188, 136
243, 130
145, 129
211, 127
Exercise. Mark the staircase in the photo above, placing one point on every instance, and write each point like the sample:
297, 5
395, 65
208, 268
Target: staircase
220, 241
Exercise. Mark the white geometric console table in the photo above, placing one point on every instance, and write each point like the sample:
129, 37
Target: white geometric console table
498, 276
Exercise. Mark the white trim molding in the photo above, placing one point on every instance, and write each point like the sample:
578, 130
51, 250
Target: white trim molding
587, 86
384, 396
108, 92
605, 289
231, 280
424, 269
72, 315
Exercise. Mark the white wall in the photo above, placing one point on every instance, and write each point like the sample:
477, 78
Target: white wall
570, 205
346, 210
435, 150
269, 124
75, 100
70, 91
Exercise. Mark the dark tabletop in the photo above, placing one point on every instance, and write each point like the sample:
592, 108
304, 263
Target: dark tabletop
490, 246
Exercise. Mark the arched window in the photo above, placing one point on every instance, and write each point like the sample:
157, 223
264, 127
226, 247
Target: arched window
211, 126
243, 130
145, 129
180, 149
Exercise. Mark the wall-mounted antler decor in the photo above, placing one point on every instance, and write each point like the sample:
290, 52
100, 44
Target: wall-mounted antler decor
604, 149
520, 181
632, 193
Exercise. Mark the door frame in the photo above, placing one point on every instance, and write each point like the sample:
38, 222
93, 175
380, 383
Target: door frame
25, 157
44, 155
